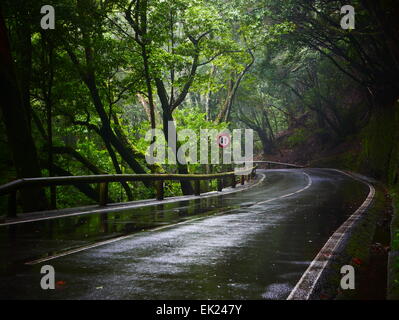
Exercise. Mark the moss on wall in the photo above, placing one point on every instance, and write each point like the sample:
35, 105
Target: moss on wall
380, 158
393, 263
379, 149
380, 145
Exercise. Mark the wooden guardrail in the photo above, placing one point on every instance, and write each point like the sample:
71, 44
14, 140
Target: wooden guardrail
271, 163
13, 187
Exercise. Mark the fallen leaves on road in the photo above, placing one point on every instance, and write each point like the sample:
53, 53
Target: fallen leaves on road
357, 261
60, 284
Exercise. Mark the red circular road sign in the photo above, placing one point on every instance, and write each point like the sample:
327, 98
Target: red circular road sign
223, 140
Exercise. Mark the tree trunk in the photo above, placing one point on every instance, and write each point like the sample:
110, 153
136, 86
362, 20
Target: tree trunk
267, 144
17, 127
224, 114
186, 186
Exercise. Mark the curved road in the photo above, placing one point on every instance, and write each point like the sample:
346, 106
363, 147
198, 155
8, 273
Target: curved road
253, 244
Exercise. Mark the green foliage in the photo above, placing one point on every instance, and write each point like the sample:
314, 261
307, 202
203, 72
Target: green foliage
194, 119
380, 154
90, 73
393, 285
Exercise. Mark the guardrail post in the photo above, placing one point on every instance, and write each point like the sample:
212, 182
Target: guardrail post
160, 190
233, 181
197, 188
206, 186
53, 197
103, 193
220, 184
12, 205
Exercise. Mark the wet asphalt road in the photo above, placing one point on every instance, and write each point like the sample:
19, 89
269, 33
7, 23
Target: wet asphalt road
253, 244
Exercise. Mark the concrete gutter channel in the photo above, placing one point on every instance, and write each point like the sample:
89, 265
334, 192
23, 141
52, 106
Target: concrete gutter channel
321, 281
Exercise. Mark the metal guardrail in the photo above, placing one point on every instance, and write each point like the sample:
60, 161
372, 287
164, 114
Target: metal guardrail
13, 187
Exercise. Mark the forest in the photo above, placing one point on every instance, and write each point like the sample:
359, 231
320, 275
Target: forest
79, 97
